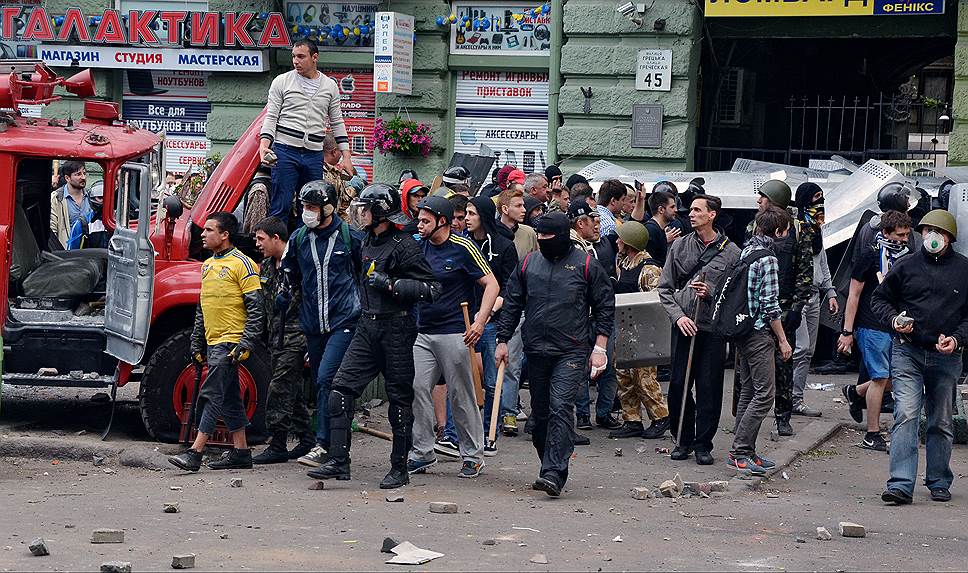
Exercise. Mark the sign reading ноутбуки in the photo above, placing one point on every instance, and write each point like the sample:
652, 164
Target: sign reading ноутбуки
786, 8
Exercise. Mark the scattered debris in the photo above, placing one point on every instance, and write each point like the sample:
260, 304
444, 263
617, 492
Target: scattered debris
823, 534
223, 536
821, 387
848, 529
394, 498
175, 488
442, 507
669, 488
641, 493
617, 539
618, 452
539, 558
801, 540
772, 495
171, 507
110, 471
116, 567
236, 482
107, 536
186, 561
38, 547
718, 486
98, 460
662, 450
409, 554
785, 475
489, 542
525, 529
316, 486
388, 544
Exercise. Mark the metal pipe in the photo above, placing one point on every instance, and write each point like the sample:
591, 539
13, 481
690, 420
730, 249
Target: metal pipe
554, 77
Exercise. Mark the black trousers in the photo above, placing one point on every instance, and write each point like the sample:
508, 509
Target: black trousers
379, 346
702, 412
554, 384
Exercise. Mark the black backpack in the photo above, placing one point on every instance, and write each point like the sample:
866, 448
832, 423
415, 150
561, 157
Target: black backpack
731, 313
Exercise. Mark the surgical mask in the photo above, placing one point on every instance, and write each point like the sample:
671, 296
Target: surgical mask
934, 242
555, 247
310, 219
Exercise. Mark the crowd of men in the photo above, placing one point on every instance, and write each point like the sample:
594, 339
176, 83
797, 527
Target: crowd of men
450, 292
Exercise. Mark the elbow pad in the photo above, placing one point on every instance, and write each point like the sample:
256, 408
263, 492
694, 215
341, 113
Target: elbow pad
413, 290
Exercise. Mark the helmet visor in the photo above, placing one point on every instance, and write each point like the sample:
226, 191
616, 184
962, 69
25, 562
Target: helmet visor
360, 215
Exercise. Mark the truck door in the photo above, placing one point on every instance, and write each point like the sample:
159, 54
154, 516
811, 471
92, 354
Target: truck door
131, 266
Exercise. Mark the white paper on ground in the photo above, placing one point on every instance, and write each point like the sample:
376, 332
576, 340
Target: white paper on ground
409, 554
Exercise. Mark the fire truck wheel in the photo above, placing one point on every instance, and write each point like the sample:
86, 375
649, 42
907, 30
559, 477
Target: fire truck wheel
169, 378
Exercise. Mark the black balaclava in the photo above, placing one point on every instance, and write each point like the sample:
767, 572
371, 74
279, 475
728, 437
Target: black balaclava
809, 211
530, 204
558, 246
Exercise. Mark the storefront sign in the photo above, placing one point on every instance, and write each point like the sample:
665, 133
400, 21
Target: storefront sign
733, 8
154, 58
393, 53
654, 70
358, 102
508, 112
647, 125
333, 25
494, 29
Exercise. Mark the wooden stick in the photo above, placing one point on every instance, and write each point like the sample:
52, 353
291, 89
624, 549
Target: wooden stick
478, 387
496, 403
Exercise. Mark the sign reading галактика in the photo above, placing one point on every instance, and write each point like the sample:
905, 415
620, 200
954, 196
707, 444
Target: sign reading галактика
785, 8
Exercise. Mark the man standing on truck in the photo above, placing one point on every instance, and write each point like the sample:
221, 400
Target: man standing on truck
302, 104
396, 277
68, 204
228, 325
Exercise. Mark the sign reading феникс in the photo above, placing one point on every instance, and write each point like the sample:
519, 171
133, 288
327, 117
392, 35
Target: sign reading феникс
734, 8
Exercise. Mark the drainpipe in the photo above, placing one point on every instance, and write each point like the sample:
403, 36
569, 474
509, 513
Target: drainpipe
554, 78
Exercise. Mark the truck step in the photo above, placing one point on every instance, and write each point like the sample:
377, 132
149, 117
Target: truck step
60, 380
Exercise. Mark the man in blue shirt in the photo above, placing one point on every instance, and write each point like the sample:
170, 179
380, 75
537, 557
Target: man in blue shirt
69, 203
442, 339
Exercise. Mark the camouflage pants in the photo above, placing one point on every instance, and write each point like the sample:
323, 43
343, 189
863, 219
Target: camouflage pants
784, 381
638, 387
287, 406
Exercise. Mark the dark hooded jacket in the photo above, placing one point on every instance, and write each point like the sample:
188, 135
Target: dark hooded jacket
498, 250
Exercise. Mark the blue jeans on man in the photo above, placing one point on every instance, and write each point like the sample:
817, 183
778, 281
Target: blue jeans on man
325, 355
607, 385
295, 167
922, 376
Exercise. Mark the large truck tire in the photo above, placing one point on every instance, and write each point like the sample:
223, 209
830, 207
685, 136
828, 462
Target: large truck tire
169, 378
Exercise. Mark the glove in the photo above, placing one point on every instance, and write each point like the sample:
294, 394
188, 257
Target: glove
198, 357
240, 353
380, 281
791, 321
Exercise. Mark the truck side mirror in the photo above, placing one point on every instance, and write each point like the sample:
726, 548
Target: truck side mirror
173, 207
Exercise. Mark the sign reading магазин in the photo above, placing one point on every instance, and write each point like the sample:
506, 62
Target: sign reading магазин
154, 58
154, 28
784, 8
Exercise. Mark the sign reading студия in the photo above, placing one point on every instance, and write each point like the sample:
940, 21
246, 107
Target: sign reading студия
786, 8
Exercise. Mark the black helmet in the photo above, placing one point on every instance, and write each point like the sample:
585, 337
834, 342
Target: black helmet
408, 174
897, 196
383, 203
667, 186
456, 175
319, 193
437, 205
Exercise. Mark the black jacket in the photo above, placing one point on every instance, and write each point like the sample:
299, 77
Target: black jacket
498, 250
567, 303
934, 292
399, 256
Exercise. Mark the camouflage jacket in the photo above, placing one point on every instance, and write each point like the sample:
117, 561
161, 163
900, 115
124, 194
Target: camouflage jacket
649, 275
346, 192
799, 295
271, 279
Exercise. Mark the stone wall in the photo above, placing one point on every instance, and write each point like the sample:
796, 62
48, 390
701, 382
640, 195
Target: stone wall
600, 51
958, 144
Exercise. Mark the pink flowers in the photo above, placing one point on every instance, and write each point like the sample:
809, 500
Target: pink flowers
401, 136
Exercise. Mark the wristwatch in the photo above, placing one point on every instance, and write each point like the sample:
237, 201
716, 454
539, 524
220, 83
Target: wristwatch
846, 333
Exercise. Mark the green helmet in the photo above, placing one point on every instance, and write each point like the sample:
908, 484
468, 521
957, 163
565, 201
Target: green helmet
942, 220
777, 192
633, 234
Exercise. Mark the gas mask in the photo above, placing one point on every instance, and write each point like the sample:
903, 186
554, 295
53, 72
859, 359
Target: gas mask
934, 242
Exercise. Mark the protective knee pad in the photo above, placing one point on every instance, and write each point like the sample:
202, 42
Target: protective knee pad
340, 409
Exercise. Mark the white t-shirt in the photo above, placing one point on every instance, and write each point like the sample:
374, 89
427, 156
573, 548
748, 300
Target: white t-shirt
309, 86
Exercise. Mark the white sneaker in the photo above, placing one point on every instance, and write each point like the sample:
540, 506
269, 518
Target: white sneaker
314, 458
522, 417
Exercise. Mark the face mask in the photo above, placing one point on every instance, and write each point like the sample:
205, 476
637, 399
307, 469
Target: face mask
310, 219
814, 213
555, 247
934, 242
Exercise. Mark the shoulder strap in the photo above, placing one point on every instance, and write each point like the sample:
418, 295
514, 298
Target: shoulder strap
524, 263
588, 259
345, 230
704, 259
300, 236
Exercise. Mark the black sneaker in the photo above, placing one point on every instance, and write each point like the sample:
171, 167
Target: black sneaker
272, 455
657, 429
680, 453
608, 422
896, 496
331, 469
628, 430
941, 494
874, 441
398, 477
233, 459
547, 486
584, 423
447, 447
301, 449
190, 460
582, 440
704, 458
419, 466
783, 427
854, 402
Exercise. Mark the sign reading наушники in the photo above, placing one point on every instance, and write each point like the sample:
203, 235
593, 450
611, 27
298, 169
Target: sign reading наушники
785, 8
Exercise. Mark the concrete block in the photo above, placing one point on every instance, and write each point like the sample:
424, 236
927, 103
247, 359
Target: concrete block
718, 486
848, 529
539, 558
823, 534
601, 55
38, 547
171, 507
186, 561
317, 486
107, 536
669, 488
641, 493
116, 567
443, 507
395, 499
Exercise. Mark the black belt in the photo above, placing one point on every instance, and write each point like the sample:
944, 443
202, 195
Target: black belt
296, 133
383, 315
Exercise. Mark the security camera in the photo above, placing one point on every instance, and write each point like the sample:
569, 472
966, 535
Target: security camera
632, 11
627, 9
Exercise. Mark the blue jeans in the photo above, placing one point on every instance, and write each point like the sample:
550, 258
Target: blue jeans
922, 376
607, 388
325, 355
296, 167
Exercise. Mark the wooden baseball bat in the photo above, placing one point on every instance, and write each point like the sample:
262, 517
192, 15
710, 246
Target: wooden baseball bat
370, 431
478, 387
496, 403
